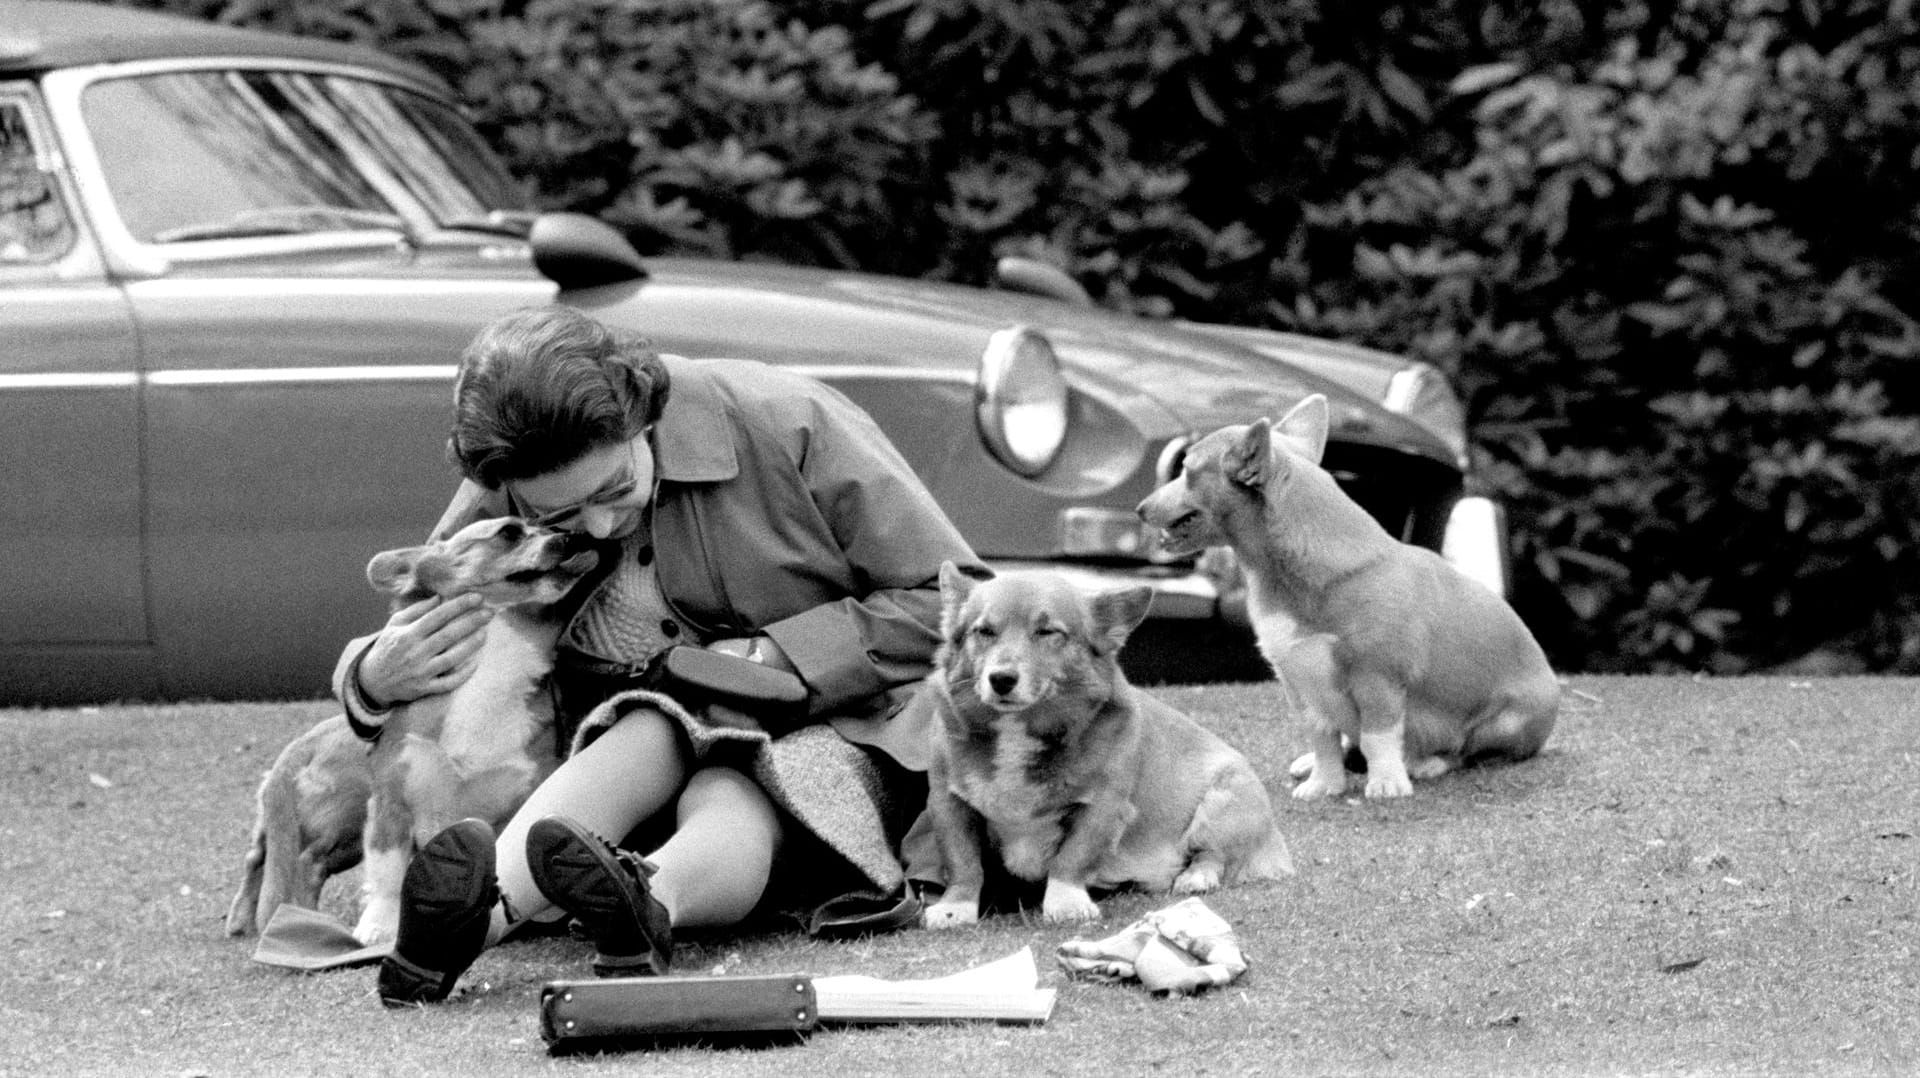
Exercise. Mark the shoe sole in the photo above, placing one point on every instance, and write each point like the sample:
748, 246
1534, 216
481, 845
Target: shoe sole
454, 871
574, 871
452, 876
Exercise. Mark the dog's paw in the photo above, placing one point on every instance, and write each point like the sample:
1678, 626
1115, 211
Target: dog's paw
1068, 902
1318, 785
1301, 767
1197, 879
1385, 787
379, 924
950, 914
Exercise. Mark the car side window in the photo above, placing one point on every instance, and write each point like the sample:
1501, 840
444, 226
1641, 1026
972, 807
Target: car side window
35, 223
435, 154
224, 155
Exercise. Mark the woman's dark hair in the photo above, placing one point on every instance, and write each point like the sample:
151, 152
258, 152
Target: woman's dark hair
540, 388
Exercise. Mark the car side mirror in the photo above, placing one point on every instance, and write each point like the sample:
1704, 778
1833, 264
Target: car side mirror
577, 251
1037, 278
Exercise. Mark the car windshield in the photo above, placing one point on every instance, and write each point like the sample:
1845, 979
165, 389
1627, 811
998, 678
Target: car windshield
232, 154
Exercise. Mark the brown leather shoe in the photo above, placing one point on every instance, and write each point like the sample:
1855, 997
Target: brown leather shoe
605, 889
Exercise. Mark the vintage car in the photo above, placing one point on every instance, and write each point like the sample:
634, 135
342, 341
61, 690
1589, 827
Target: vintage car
236, 270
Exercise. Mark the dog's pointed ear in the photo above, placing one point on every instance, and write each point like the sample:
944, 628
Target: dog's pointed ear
1118, 612
409, 573
1250, 462
1304, 427
391, 571
955, 587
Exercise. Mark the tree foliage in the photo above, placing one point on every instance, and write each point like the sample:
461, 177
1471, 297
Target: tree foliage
1664, 248
1666, 273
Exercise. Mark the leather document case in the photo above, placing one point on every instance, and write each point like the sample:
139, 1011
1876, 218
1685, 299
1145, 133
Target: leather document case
625, 1012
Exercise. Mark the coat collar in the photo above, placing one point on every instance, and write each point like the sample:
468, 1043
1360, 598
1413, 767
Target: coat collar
693, 442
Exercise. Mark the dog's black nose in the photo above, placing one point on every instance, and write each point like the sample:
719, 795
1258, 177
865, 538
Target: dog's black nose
1002, 683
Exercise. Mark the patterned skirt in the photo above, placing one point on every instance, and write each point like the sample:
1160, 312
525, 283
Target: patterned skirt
843, 799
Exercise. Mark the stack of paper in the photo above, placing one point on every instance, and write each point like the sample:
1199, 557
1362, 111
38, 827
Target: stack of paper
1007, 990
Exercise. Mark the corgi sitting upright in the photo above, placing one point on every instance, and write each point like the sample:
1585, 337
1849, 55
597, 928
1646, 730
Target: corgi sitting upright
330, 800
1044, 756
1379, 644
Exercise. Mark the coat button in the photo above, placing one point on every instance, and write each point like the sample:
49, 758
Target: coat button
670, 628
645, 557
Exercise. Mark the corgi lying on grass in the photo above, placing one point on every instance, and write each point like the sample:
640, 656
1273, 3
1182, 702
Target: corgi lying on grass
1045, 758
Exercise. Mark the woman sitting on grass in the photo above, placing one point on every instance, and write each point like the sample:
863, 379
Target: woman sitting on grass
755, 512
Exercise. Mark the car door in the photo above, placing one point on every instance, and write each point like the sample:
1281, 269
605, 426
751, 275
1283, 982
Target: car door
297, 425
71, 572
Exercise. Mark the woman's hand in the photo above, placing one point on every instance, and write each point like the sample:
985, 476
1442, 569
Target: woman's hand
424, 649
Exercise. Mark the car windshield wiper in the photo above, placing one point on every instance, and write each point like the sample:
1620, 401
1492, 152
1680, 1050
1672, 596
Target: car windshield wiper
515, 223
282, 221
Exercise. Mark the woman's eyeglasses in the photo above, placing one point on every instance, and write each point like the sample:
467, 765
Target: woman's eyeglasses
617, 488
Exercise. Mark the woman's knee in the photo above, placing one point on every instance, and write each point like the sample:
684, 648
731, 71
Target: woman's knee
642, 730
726, 790
721, 784
643, 749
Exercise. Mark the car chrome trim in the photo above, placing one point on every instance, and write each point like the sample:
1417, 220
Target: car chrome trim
396, 239
1090, 531
538, 290
1403, 387
1172, 459
238, 376
847, 372
265, 375
83, 75
104, 380
1423, 393
1179, 595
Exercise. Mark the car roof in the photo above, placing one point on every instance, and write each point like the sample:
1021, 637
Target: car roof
40, 35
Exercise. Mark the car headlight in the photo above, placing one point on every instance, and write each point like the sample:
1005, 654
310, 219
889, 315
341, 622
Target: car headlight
1423, 394
1021, 400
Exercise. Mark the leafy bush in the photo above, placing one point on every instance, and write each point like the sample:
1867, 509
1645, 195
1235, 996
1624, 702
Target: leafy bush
1665, 277
716, 126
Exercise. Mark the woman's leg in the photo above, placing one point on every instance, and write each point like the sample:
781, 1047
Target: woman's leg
715, 867
623, 777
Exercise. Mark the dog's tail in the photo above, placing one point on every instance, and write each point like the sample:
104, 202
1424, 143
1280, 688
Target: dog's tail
271, 872
1239, 818
1271, 860
245, 913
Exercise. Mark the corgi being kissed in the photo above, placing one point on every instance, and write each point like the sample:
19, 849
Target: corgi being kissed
1379, 644
1045, 755
330, 799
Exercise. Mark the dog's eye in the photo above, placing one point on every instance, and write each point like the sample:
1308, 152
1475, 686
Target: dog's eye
1048, 631
511, 531
985, 632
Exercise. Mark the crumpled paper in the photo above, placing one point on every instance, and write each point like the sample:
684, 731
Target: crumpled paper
1179, 950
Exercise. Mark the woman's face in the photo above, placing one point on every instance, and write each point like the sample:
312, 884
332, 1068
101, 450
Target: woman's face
602, 494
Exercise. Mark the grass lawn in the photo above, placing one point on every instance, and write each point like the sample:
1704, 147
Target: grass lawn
1697, 877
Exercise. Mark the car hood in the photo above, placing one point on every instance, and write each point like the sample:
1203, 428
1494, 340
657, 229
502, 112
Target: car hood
1169, 379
